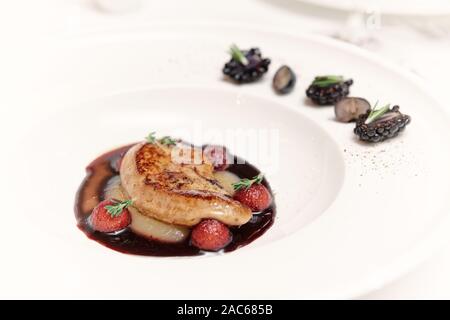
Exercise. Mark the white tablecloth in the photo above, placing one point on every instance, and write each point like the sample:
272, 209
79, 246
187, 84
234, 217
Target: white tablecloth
418, 45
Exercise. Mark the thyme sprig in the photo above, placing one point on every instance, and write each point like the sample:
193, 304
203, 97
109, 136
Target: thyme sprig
247, 183
116, 209
238, 55
376, 113
328, 80
167, 141
151, 139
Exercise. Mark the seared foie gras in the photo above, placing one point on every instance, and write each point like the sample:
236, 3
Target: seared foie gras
174, 192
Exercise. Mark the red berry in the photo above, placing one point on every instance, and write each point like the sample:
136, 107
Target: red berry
218, 156
103, 221
257, 197
210, 235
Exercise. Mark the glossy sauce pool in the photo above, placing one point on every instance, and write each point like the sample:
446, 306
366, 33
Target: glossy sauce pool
92, 191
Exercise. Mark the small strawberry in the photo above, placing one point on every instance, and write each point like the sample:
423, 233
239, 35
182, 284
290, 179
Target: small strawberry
252, 193
110, 216
210, 235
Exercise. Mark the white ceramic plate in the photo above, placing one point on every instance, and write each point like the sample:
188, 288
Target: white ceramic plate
391, 7
350, 218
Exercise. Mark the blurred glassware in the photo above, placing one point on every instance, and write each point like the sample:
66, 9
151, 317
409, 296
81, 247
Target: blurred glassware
118, 6
360, 29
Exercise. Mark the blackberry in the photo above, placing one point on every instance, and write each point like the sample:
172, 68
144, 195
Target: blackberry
328, 90
246, 66
388, 123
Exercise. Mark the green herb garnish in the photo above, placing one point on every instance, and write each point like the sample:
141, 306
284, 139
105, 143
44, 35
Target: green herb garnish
377, 113
247, 183
325, 81
238, 55
116, 209
151, 138
167, 141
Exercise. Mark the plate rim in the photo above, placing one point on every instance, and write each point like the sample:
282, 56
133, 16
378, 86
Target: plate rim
420, 251
347, 8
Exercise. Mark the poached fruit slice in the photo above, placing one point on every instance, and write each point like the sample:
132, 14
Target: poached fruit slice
143, 225
226, 179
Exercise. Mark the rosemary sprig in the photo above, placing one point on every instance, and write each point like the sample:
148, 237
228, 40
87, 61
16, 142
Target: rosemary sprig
325, 81
167, 141
376, 113
116, 210
151, 138
247, 183
237, 55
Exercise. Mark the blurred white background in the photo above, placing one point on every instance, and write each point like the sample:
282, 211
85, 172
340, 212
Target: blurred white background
419, 43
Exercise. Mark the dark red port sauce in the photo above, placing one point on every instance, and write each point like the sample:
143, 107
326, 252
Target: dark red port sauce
92, 191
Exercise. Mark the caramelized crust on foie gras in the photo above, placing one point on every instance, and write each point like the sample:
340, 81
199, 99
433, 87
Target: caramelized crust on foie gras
177, 192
